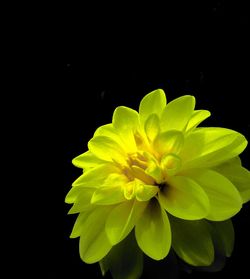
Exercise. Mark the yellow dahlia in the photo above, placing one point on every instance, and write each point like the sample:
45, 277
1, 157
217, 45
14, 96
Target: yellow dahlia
151, 181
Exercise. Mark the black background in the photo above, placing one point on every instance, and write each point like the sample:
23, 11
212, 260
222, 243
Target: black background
78, 64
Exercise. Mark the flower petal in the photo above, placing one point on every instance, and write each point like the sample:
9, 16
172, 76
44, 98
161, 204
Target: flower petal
122, 219
153, 233
94, 244
73, 194
112, 190
207, 147
184, 198
107, 149
169, 142
238, 175
108, 195
171, 164
77, 229
129, 190
125, 119
106, 130
126, 122
225, 200
154, 171
223, 236
83, 201
177, 113
125, 260
192, 241
154, 102
95, 177
87, 160
197, 117
109, 131
141, 174
146, 192
103, 266
152, 126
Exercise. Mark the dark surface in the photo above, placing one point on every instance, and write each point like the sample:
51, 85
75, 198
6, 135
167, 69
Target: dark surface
81, 72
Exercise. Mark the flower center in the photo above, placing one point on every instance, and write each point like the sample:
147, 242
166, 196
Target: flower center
150, 170
136, 167
162, 185
137, 159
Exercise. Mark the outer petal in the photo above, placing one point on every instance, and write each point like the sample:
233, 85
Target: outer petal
197, 117
184, 198
87, 160
77, 229
208, 147
152, 126
83, 201
154, 102
122, 219
223, 236
225, 200
125, 119
177, 113
94, 244
108, 195
107, 149
125, 260
153, 233
126, 122
169, 142
73, 194
95, 177
107, 130
238, 175
112, 190
192, 241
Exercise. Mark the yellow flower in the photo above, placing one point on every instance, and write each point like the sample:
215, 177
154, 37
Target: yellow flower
154, 180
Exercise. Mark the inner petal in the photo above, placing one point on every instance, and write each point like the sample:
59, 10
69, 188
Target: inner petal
171, 164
